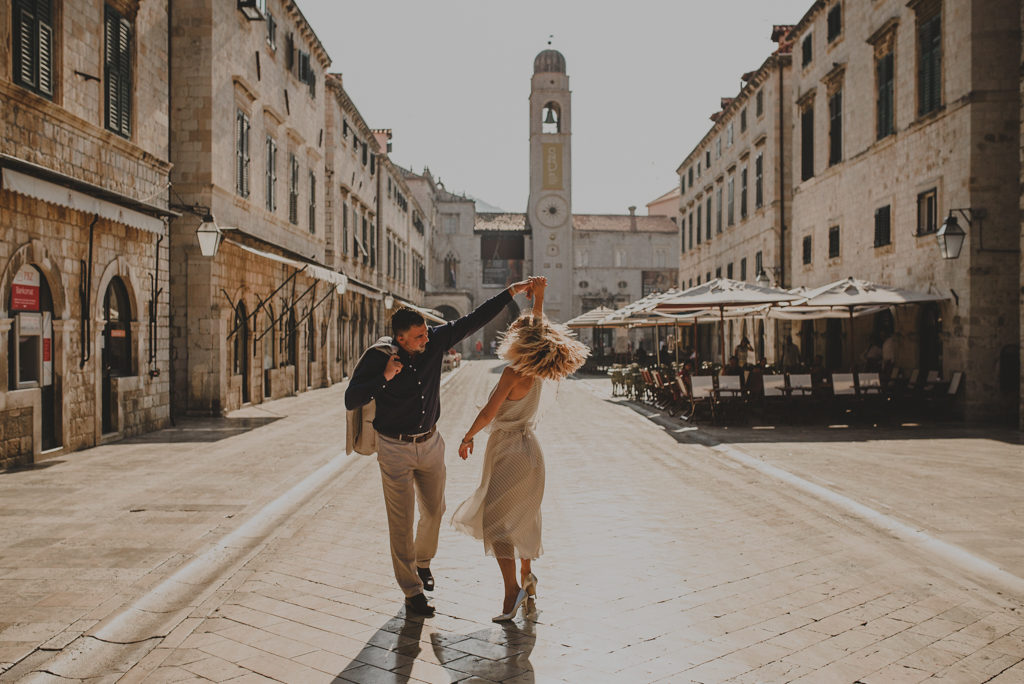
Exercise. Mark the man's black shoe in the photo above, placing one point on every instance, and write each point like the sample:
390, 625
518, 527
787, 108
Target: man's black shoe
428, 579
418, 604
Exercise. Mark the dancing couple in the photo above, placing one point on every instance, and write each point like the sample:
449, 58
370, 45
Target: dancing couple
402, 375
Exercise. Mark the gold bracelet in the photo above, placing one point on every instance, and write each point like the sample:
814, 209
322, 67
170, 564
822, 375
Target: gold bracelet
468, 441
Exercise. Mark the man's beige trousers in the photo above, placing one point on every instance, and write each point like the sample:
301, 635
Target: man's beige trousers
408, 470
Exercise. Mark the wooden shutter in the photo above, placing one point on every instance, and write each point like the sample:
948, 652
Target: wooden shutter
45, 59
25, 52
117, 72
124, 40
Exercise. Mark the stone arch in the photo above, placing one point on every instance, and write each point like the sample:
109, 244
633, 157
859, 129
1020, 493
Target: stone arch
35, 253
448, 312
121, 268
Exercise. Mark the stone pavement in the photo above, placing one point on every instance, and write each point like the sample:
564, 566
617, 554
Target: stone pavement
666, 558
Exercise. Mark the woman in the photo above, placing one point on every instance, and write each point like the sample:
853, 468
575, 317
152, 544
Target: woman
504, 511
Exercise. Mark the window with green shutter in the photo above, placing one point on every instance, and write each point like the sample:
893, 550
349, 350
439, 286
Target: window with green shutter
807, 143
271, 174
884, 101
312, 202
929, 59
835, 128
32, 45
242, 153
293, 190
883, 232
833, 242
117, 73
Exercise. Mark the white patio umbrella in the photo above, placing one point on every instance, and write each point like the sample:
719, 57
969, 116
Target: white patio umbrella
723, 294
852, 295
590, 319
640, 314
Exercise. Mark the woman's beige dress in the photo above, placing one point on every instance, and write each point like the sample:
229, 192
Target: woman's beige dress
504, 511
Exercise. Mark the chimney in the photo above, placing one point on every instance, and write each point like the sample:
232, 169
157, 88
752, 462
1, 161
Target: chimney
632, 219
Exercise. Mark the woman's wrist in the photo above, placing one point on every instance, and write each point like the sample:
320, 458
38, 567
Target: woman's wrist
467, 439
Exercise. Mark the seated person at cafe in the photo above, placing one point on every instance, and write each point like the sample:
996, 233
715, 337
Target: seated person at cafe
733, 367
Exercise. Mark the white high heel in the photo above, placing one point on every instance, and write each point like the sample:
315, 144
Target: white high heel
530, 584
520, 597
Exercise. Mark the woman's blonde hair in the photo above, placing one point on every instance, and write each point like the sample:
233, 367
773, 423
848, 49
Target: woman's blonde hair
535, 346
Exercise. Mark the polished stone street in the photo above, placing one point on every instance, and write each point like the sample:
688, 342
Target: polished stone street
252, 549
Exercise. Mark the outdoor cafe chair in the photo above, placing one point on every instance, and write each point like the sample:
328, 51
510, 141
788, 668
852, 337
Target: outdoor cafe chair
728, 396
702, 388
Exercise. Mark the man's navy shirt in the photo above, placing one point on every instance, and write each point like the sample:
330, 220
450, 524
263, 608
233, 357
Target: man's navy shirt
411, 402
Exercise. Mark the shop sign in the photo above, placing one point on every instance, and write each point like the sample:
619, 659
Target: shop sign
25, 290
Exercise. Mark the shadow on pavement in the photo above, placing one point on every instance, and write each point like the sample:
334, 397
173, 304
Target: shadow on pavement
40, 465
706, 434
202, 430
491, 654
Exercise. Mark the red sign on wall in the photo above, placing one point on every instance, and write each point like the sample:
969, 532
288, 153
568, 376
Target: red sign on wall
46, 350
25, 290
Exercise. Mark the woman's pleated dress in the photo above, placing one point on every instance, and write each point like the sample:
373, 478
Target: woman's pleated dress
504, 511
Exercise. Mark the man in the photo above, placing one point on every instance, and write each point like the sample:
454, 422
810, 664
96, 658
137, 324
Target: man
406, 386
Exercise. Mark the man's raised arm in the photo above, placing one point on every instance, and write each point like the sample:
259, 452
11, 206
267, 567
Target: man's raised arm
456, 331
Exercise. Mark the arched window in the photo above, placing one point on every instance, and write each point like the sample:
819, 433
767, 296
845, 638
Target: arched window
117, 332
551, 118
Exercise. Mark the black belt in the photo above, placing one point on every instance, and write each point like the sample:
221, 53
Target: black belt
415, 439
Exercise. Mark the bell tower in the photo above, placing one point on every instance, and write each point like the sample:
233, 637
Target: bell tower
549, 212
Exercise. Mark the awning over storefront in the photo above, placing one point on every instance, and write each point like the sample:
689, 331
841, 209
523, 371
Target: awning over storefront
82, 197
339, 280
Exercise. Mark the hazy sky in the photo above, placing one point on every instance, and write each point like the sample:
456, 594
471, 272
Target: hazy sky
451, 78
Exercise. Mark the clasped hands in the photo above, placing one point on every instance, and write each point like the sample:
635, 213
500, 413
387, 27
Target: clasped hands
529, 286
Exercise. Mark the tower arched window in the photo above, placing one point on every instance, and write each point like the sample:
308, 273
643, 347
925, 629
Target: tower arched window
551, 118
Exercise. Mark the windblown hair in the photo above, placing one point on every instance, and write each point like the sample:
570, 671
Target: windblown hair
537, 347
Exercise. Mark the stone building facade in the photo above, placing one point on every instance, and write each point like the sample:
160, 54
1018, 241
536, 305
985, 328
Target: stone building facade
83, 243
248, 112
903, 114
453, 282
735, 190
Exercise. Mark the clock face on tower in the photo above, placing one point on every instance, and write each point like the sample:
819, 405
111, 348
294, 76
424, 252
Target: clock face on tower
552, 211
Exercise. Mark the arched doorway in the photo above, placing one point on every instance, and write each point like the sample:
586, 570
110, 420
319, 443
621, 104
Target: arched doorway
241, 348
117, 347
448, 313
269, 341
31, 350
291, 348
310, 349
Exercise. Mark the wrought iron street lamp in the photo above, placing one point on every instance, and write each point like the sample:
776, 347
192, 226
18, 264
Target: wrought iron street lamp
951, 236
209, 235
